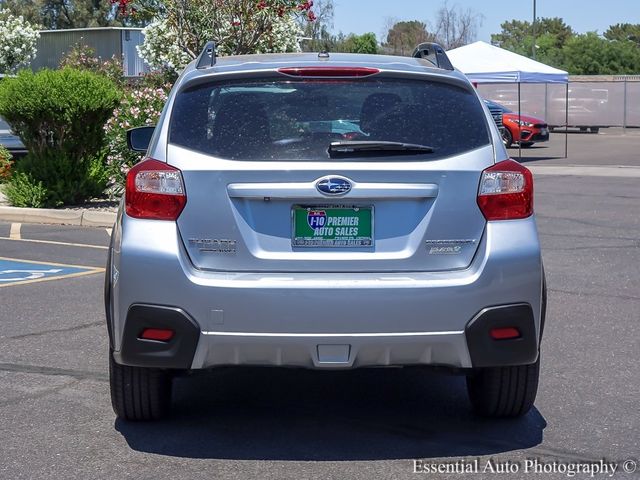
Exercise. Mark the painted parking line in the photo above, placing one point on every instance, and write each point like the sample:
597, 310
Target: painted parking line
53, 242
14, 271
14, 233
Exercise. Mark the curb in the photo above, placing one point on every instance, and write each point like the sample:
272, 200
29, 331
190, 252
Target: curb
86, 218
624, 171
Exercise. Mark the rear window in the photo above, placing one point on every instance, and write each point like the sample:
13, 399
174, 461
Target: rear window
298, 120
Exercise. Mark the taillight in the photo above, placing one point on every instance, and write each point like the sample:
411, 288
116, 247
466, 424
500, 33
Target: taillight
157, 334
505, 333
154, 190
506, 191
329, 71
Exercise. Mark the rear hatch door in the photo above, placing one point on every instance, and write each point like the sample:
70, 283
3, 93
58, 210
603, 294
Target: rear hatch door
267, 190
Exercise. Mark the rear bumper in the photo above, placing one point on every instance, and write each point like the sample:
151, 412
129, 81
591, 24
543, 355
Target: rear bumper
314, 320
471, 347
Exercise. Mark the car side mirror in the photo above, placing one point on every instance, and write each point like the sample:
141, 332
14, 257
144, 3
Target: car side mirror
138, 139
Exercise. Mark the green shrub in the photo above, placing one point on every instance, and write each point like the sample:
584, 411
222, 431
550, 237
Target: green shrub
66, 181
62, 110
98, 174
60, 117
23, 191
6, 165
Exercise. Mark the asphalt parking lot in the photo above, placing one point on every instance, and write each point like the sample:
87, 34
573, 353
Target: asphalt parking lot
612, 146
56, 419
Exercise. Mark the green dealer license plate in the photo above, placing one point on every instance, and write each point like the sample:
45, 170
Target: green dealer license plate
334, 226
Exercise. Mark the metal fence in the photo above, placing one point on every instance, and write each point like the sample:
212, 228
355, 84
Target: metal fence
593, 102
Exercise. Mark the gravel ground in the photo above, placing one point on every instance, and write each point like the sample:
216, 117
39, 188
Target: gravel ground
97, 205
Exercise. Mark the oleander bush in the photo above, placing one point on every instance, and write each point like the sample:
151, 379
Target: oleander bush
83, 57
141, 106
65, 180
59, 114
18, 41
176, 35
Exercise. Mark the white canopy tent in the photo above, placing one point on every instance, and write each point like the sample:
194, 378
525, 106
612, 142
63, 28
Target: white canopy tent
485, 63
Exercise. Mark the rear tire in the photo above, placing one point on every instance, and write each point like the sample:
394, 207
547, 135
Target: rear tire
139, 393
526, 144
503, 392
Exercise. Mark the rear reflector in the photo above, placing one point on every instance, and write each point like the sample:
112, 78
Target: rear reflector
155, 191
329, 71
506, 191
158, 334
504, 333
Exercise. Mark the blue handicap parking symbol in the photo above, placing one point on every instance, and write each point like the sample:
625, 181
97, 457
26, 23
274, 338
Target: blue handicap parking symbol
19, 271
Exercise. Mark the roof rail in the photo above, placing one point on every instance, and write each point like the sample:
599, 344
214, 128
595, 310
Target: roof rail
207, 58
433, 53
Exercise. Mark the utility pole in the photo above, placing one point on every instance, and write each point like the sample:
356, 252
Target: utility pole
534, 30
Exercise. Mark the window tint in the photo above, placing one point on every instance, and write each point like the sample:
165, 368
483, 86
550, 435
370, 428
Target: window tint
298, 120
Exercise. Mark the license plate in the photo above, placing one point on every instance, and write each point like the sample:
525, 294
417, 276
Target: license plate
332, 226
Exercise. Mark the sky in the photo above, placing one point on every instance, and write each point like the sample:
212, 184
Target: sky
361, 16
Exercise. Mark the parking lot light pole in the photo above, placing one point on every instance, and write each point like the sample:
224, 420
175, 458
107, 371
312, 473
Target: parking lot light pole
533, 48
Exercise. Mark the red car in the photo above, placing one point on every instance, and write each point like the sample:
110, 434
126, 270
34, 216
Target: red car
529, 129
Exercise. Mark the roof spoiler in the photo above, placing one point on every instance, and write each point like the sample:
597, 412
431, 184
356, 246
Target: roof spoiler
433, 53
207, 58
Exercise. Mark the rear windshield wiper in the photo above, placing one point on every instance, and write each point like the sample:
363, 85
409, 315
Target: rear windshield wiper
375, 148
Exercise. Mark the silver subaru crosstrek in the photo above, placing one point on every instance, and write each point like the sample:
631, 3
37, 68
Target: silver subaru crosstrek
325, 211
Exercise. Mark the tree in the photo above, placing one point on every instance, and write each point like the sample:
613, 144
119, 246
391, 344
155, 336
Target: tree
456, 27
317, 35
590, 54
58, 14
237, 26
513, 35
18, 41
517, 36
403, 37
365, 43
624, 32
556, 28
27, 9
